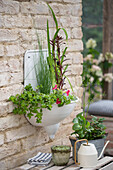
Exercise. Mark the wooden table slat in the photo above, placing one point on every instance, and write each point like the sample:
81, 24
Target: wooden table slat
104, 161
62, 167
102, 165
108, 167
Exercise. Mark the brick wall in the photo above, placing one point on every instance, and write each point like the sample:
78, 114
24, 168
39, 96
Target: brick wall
18, 139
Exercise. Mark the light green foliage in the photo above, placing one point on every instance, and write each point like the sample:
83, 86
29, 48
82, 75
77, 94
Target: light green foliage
32, 102
88, 130
42, 72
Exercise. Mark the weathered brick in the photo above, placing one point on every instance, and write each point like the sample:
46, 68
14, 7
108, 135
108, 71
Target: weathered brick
16, 77
14, 50
10, 78
19, 133
72, 80
75, 21
4, 78
35, 140
9, 149
34, 8
3, 66
78, 81
6, 92
18, 21
3, 165
75, 81
79, 91
75, 45
79, 104
77, 58
8, 35
76, 33
76, 69
9, 7
64, 130
61, 9
70, 21
18, 159
72, 1
52, 0
1, 21
15, 65
5, 107
9, 121
76, 10
31, 35
61, 33
1, 139
41, 22
1, 51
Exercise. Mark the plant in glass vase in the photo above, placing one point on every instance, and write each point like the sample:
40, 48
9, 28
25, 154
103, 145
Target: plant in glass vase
49, 103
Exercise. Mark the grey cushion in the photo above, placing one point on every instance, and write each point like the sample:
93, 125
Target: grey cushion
101, 108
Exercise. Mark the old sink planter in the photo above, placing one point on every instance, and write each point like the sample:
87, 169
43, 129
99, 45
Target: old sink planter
51, 118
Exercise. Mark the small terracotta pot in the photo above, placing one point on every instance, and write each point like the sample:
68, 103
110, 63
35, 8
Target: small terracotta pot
60, 154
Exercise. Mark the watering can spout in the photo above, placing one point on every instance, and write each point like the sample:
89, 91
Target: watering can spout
103, 150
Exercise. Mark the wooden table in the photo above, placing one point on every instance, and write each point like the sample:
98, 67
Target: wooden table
105, 163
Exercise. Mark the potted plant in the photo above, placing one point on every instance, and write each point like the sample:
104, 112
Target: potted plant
50, 103
93, 131
93, 77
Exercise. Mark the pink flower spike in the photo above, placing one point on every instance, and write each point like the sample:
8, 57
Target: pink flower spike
58, 102
55, 87
67, 92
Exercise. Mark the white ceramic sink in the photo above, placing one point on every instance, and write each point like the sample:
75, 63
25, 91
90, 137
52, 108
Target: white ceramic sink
52, 118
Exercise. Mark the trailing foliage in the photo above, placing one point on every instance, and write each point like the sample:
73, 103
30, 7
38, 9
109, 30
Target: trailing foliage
88, 130
32, 102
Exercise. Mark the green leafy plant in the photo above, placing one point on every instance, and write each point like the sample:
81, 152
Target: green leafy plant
32, 102
88, 130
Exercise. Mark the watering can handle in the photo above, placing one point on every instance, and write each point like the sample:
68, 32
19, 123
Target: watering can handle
75, 148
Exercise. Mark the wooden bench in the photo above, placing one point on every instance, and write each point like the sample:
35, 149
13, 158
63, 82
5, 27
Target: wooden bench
105, 163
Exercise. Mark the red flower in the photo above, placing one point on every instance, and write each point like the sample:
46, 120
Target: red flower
67, 92
55, 87
58, 102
